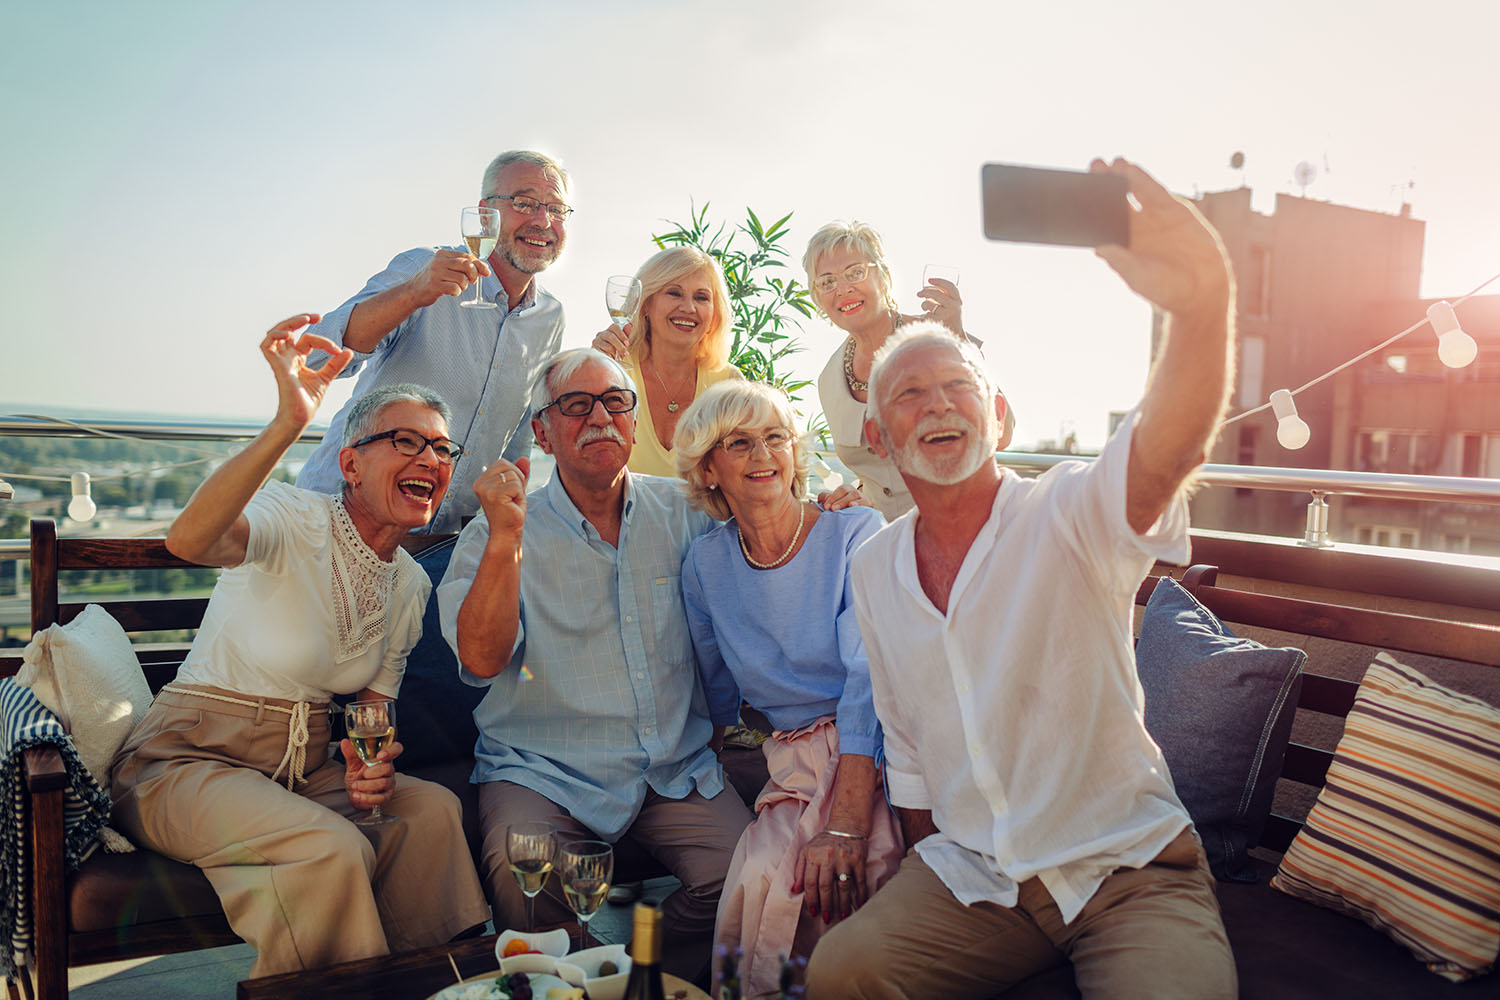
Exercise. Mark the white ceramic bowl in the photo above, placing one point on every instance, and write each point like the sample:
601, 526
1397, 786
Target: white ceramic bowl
587, 963
554, 943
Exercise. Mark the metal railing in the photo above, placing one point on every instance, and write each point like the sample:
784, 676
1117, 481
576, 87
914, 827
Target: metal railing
1318, 483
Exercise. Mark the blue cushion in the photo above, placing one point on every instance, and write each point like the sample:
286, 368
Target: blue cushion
1220, 707
435, 710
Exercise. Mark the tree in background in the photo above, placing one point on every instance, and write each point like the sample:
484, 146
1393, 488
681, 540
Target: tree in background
766, 306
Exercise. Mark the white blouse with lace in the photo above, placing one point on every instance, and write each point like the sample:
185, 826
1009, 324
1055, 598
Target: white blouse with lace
312, 610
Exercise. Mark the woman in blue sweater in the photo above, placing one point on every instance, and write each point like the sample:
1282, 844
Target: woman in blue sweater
772, 620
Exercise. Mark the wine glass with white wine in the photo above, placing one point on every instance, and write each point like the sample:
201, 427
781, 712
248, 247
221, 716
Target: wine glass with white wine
371, 726
530, 849
481, 229
622, 295
586, 868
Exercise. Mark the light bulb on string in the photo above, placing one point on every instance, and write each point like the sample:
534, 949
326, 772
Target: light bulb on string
81, 507
1291, 430
1456, 349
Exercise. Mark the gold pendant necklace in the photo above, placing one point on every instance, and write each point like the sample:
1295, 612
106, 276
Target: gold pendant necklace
672, 406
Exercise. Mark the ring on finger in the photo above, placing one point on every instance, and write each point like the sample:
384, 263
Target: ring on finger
843, 876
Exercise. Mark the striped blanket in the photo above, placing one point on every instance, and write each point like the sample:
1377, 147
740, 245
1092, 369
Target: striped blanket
25, 723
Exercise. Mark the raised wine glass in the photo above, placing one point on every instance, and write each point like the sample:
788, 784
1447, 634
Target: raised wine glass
481, 229
371, 726
530, 849
622, 294
586, 868
945, 271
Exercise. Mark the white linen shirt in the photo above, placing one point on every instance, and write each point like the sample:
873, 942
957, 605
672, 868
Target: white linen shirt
1017, 718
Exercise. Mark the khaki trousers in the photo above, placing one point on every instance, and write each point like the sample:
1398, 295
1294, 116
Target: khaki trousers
694, 837
298, 881
1151, 932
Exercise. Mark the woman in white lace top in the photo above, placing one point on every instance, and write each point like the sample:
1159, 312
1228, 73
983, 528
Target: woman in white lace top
230, 769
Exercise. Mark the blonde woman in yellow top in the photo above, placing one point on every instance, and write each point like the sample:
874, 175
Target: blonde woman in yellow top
674, 346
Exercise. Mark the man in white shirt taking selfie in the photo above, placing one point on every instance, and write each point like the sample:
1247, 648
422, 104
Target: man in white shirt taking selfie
997, 616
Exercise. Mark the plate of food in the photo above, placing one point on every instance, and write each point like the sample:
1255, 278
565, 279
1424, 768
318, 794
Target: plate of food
511, 986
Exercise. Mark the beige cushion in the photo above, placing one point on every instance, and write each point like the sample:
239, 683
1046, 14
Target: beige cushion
1406, 834
87, 674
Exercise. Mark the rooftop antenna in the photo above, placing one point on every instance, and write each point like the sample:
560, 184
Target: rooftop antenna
1304, 174
1237, 162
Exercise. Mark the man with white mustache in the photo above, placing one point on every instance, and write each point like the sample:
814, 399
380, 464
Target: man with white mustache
408, 324
997, 618
594, 719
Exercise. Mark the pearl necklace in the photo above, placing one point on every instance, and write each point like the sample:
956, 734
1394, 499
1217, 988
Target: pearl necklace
801, 517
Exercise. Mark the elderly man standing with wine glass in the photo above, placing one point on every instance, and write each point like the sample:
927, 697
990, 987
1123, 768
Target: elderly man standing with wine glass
567, 606
410, 324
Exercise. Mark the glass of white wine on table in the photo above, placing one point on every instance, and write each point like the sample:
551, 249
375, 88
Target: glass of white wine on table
530, 849
371, 727
586, 868
481, 229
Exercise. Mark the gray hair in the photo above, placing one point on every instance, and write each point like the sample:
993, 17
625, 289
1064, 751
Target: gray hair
499, 163
364, 415
841, 235
915, 334
722, 408
564, 366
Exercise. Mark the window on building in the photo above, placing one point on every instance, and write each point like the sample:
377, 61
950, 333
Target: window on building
1257, 286
1470, 452
1252, 371
1249, 438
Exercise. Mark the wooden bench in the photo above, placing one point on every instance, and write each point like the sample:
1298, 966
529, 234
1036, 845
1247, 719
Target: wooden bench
119, 906
1285, 947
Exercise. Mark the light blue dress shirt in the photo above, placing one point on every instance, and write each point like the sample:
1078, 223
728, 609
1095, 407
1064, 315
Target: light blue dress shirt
481, 361
614, 705
786, 638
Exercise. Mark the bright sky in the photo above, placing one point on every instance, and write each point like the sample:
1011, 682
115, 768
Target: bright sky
179, 175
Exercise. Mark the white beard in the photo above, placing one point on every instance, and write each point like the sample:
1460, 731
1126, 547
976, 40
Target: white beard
980, 448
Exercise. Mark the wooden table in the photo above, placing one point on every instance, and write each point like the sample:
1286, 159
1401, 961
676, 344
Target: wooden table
411, 975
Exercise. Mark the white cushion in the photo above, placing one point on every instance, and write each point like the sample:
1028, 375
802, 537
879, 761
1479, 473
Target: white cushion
87, 674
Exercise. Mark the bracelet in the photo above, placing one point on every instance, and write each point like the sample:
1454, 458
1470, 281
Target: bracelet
846, 836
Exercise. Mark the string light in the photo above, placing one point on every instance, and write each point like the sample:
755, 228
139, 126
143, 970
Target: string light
1463, 345
1456, 349
81, 507
1291, 430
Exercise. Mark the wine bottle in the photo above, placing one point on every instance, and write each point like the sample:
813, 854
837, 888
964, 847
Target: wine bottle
645, 956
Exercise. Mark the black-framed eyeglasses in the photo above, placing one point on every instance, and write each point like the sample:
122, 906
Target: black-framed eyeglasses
581, 404
852, 274
739, 444
557, 211
409, 442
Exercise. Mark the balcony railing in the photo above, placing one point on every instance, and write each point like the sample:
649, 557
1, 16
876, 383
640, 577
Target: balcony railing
1320, 484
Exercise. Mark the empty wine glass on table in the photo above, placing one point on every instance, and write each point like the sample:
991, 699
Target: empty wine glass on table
586, 869
531, 849
371, 726
481, 229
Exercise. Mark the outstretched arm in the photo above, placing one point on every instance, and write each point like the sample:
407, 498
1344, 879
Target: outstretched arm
1174, 260
213, 529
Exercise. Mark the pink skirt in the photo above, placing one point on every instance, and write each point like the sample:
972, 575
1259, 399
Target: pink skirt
758, 912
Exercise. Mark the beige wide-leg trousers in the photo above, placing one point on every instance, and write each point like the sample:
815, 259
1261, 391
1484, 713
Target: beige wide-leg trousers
298, 881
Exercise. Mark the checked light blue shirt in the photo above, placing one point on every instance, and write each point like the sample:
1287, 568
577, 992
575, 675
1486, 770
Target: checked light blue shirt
615, 705
481, 361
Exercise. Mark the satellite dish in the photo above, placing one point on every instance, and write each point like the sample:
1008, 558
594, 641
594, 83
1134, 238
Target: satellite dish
1304, 174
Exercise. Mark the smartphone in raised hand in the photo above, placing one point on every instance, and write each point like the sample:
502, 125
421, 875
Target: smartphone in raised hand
1054, 207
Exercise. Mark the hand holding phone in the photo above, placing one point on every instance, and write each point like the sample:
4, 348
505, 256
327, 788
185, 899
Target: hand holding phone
1054, 207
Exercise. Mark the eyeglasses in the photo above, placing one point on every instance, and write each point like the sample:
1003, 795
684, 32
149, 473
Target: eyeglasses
740, 444
581, 404
852, 274
556, 210
409, 442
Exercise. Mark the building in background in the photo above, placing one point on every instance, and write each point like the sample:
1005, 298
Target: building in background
1318, 285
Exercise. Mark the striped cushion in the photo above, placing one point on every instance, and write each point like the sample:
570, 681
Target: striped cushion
1406, 833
